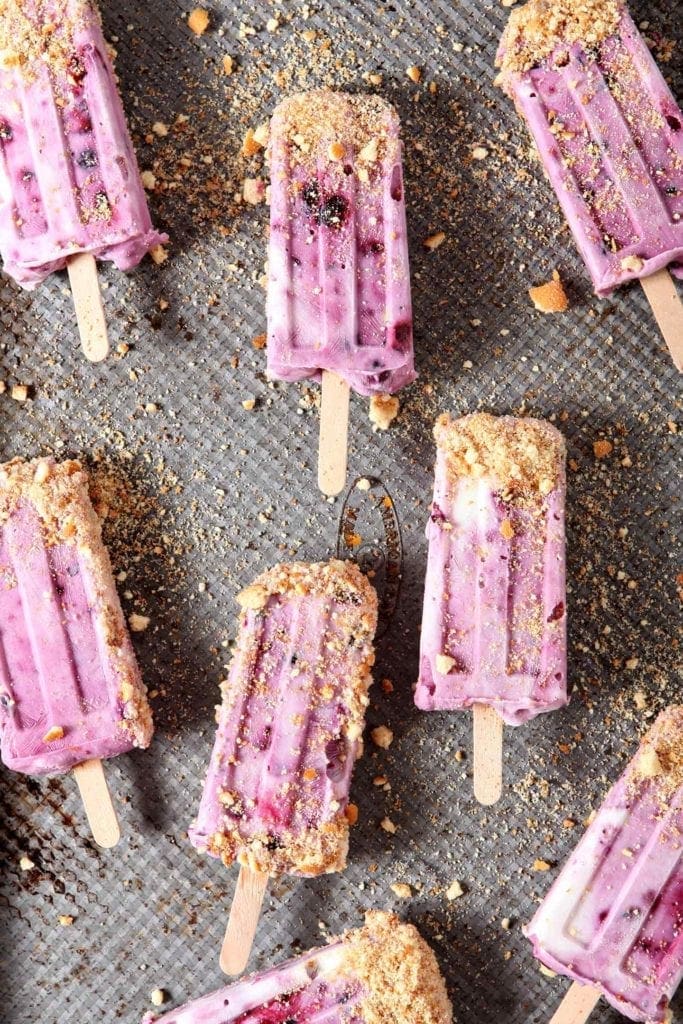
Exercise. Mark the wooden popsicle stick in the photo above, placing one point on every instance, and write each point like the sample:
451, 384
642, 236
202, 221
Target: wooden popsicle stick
577, 1005
334, 432
488, 754
243, 921
96, 798
667, 307
85, 288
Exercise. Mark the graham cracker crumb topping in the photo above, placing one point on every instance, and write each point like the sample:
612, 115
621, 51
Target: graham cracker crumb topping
43, 33
660, 757
322, 125
537, 29
523, 457
398, 971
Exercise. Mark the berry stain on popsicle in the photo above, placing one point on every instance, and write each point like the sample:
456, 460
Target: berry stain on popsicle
339, 304
71, 190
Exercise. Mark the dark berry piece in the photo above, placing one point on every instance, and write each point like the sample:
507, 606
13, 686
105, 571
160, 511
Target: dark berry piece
6, 133
88, 158
557, 612
311, 195
673, 122
333, 211
75, 70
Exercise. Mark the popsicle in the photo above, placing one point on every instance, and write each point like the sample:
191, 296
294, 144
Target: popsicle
610, 136
70, 689
339, 304
70, 189
613, 920
494, 620
276, 796
384, 972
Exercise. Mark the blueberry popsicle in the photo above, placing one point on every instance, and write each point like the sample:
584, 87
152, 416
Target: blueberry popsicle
494, 620
610, 136
289, 730
339, 298
69, 181
613, 920
70, 689
383, 973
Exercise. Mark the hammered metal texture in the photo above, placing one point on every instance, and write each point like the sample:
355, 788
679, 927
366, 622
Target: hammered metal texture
201, 494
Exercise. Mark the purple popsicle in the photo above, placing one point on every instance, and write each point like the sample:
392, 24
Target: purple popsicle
494, 621
614, 917
69, 181
338, 279
290, 726
608, 130
384, 972
70, 688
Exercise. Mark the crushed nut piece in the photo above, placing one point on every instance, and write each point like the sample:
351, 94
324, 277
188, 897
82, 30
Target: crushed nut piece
433, 242
454, 891
550, 297
383, 410
138, 623
158, 997
198, 21
602, 448
382, 737
444, 664
388, 826
402, 890
55, 732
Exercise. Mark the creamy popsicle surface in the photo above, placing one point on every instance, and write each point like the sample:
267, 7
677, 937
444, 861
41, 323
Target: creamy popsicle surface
69, 181
338, 279
614, 917
70, 688
494, 620
608, 130
383, 973
291, 721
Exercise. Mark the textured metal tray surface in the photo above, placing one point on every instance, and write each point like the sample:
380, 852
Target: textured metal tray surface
201, 494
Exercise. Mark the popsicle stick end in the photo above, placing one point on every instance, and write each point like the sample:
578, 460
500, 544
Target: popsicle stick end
97, 802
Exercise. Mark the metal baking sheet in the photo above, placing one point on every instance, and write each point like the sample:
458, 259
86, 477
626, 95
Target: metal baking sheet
200, 494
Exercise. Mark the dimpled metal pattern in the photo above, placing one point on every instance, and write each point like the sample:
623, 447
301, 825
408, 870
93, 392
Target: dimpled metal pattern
238, 492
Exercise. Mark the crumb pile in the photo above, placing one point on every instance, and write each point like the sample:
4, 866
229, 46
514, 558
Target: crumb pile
540, 26
522, 457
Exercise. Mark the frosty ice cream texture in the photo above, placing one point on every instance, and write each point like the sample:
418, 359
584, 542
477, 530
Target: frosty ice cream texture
383, 973
614, 917
608, 130
290, 726
338, 278
70, 688
494, 620
69, 181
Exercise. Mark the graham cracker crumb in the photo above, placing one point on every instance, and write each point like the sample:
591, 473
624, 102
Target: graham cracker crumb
536, 30
521, 456
550, 297
398, 972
